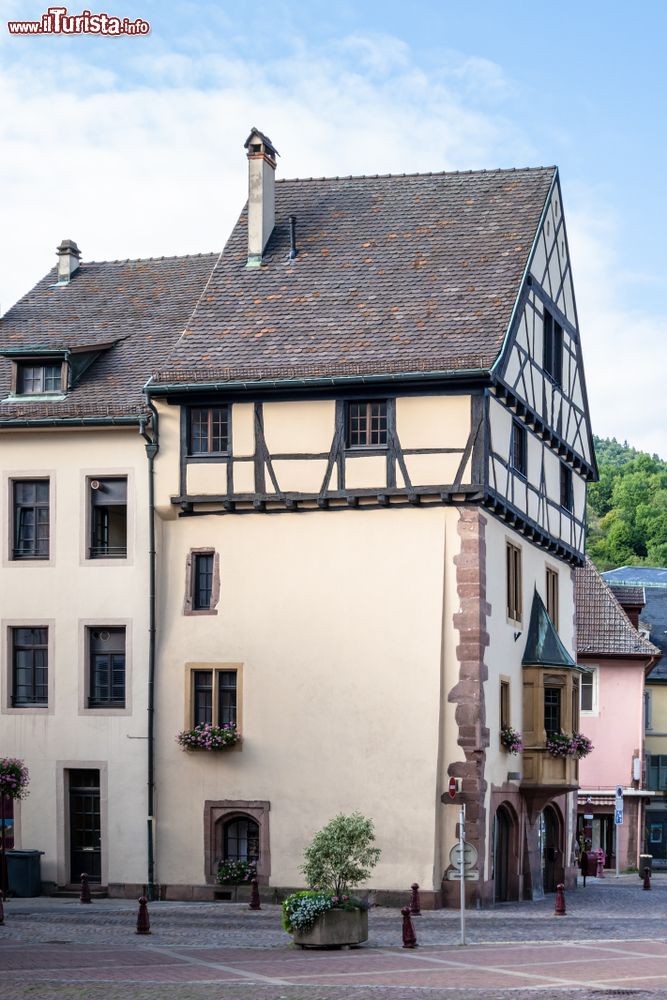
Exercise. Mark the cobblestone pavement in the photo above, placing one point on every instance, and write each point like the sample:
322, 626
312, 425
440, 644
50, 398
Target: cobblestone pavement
612, 942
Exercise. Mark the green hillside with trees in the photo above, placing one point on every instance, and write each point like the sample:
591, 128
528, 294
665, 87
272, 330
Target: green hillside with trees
627, 509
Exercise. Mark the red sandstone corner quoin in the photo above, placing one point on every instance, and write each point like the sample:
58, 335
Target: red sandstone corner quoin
56, 21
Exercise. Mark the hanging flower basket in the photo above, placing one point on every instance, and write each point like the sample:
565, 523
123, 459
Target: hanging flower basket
208, 737
561, 745
14, 778
511, 740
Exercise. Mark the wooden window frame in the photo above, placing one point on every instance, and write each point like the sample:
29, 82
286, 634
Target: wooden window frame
519, 449
190, 582
566, 488
17, 553
383, 432
505, 703
41, 365
216, 670
594, 676
552, 593
15, 648
209, 451
559, 707
514, 583
552, 356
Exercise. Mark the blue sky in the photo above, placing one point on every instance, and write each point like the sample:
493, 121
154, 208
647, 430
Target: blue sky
133, 147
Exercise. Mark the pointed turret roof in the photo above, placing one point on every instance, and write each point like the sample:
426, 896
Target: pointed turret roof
543, 645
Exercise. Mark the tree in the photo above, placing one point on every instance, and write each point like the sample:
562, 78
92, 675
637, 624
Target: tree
341, 854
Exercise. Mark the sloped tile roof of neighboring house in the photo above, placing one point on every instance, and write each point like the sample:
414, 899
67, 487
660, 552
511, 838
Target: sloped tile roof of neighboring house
131, 311
630, 596
603, 628
654, 581
394, 275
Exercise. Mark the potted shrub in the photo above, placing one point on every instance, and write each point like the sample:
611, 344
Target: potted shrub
340, 857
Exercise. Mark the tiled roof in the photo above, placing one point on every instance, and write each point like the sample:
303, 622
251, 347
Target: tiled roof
394, 274
632, 597
543, 644
603, 628
141, 306
638, 576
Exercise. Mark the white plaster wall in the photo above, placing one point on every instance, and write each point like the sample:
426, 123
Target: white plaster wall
67, 591
337, 619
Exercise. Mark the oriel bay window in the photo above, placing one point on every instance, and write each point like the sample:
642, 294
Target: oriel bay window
108, 518
30, 503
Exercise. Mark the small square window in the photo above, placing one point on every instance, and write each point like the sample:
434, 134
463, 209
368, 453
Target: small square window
519, 454
367, 424
30, 658
106, 667
30, 519
208, 430
108, 518
34, 379
566, 495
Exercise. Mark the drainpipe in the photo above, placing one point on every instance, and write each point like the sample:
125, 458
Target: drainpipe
152, 447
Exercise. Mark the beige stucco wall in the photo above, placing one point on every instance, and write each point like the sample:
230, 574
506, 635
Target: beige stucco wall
656, 736
337, 619
433, 421
68, 592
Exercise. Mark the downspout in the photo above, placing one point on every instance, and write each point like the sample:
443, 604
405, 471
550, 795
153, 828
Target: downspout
152, 447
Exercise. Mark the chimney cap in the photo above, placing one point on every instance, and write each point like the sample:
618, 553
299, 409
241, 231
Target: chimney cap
68, 247
264, 140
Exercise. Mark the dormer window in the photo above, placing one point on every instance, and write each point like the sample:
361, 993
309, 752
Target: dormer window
34, 378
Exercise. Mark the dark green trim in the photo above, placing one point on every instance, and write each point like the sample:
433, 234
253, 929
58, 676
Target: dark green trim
125, 421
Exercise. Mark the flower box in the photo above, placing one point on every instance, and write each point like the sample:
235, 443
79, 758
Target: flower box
335, 928
207, 738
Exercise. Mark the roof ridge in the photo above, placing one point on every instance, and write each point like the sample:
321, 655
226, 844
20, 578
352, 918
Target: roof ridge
141, 260
418, 173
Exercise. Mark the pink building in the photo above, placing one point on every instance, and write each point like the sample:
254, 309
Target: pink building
612, 716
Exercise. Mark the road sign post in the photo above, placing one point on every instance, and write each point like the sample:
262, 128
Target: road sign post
462, 844
618, 821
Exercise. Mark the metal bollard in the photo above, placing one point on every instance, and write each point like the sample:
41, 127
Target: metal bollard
409, 936
254, 903
600, 869
415, 902
143, 923
560, 911
647, 878
84, 895
2, 909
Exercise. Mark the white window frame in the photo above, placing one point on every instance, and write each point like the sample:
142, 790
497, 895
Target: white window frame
595, 709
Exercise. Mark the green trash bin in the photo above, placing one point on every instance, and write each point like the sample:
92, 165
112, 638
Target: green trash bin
24, 873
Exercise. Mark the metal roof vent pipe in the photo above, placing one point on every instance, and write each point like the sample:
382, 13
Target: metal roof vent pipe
293, 251
261, 194
69, 259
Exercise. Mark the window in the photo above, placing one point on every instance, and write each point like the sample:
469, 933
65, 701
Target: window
513, 556
241, 840
552, 710
519, 460
202, 582
33, 379
208, 430
107, 667
566, 499
504, 704
552, 596
656, 772
31, 519
648, 714
553, 348
29, 667
202, 573
589, 691
214, 697
576, 696
108, 518
367, 424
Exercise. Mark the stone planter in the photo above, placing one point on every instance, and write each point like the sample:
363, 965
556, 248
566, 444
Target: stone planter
335, 929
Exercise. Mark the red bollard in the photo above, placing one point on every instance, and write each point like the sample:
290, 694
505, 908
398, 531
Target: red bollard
647, 878
143, 923
254, 903
560, 900
84, 895
2, 909
415, 902
600, 869
409, 936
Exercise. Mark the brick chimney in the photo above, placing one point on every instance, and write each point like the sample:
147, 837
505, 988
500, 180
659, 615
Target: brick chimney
261, 194
69, 258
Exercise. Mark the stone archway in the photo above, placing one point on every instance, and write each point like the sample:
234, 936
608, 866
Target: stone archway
551, 837
505, 860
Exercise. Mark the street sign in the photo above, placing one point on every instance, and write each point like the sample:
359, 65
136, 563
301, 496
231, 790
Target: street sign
453, 787
469, 856
469, 874
618, 817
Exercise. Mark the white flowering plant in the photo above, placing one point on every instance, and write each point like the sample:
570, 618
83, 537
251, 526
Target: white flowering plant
14, 778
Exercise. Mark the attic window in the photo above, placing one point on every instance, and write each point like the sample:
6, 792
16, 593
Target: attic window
34, 379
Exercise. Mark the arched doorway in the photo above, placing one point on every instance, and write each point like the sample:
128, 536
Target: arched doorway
552, 849
504, 861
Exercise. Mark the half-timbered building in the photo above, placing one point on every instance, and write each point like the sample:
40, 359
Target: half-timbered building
373, 452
